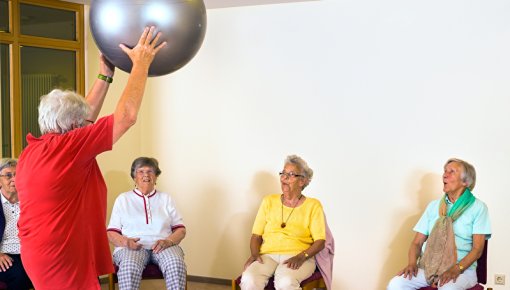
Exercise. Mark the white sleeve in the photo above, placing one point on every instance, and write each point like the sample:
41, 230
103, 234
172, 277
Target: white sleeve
115, 218
174, 215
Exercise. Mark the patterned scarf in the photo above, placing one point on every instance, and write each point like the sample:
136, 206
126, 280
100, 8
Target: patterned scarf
440, 252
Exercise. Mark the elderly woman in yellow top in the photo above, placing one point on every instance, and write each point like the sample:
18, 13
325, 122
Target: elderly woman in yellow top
288, 231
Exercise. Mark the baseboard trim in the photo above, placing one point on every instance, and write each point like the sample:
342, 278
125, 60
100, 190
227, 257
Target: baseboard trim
209, 280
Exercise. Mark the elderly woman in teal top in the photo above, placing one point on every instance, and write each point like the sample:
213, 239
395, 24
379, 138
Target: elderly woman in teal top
452, 232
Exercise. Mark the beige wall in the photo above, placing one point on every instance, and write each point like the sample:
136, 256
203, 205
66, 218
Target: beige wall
376, 95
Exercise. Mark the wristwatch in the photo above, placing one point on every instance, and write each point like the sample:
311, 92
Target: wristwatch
461, 268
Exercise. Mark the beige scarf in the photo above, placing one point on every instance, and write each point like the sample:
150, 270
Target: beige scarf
440, 251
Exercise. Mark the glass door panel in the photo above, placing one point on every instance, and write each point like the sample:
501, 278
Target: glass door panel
5, 101
4, 16
42, 70
47, 22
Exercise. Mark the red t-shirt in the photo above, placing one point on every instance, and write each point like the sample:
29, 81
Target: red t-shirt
62, 197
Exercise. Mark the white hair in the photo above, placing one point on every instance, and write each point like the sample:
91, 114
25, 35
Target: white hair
7, 162
468, 174
61, 111
306, 171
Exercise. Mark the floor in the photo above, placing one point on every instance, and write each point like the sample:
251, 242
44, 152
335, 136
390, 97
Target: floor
160, 284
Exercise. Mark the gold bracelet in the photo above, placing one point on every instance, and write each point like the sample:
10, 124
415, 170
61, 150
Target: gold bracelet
105, 78
461, 268
306, 254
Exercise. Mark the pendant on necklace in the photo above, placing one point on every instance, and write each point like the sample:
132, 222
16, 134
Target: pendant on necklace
283, 225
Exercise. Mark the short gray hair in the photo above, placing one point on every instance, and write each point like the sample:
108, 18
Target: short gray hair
306, 171
145, 161
468, 175
62, 111
7, 162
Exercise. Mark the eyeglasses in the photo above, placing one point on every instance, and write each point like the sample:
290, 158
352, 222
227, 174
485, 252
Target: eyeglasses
8, 175
289, 175
145, 172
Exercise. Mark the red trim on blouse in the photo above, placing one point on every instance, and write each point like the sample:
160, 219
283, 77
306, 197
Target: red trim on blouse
145, 203
177, 227
114, 230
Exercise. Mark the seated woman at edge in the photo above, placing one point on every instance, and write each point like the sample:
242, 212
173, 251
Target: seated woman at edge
288, 231
458, 218
146, 226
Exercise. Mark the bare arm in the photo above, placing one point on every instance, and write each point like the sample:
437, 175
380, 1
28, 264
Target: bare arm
173, 239
96, 96
468, 260
255, 243
141, 55
298, 260
414, 253
119, 240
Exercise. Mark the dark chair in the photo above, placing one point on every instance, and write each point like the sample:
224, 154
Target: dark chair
3, 286
312, 282
151, 271
481, 271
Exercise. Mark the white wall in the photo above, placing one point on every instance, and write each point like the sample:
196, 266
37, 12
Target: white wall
375, 95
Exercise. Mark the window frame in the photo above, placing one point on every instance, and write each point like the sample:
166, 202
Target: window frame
15, 40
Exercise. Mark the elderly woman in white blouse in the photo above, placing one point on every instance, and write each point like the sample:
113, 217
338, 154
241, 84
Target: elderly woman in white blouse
145, 226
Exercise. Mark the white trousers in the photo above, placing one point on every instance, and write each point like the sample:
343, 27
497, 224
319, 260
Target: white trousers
465, 281
255, 277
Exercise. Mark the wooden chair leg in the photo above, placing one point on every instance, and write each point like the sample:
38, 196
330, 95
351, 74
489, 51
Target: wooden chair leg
111, 283
234, 285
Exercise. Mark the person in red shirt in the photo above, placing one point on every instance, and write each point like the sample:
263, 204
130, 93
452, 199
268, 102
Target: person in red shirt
61, 190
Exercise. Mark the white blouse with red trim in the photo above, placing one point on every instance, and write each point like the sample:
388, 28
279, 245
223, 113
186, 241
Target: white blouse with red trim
149, 217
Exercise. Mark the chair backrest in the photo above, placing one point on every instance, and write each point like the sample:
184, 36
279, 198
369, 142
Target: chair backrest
481, 269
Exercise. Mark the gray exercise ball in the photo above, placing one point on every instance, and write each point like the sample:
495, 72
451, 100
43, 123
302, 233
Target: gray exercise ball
182, 23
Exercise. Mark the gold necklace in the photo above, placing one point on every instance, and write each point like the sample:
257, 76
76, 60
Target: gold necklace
284, 224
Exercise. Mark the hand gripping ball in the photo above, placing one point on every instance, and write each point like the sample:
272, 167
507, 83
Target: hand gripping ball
182, 23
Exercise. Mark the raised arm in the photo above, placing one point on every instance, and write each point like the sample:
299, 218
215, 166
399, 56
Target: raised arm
141, 55
96, 96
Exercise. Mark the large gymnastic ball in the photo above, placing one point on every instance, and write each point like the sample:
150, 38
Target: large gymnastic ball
182, 22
